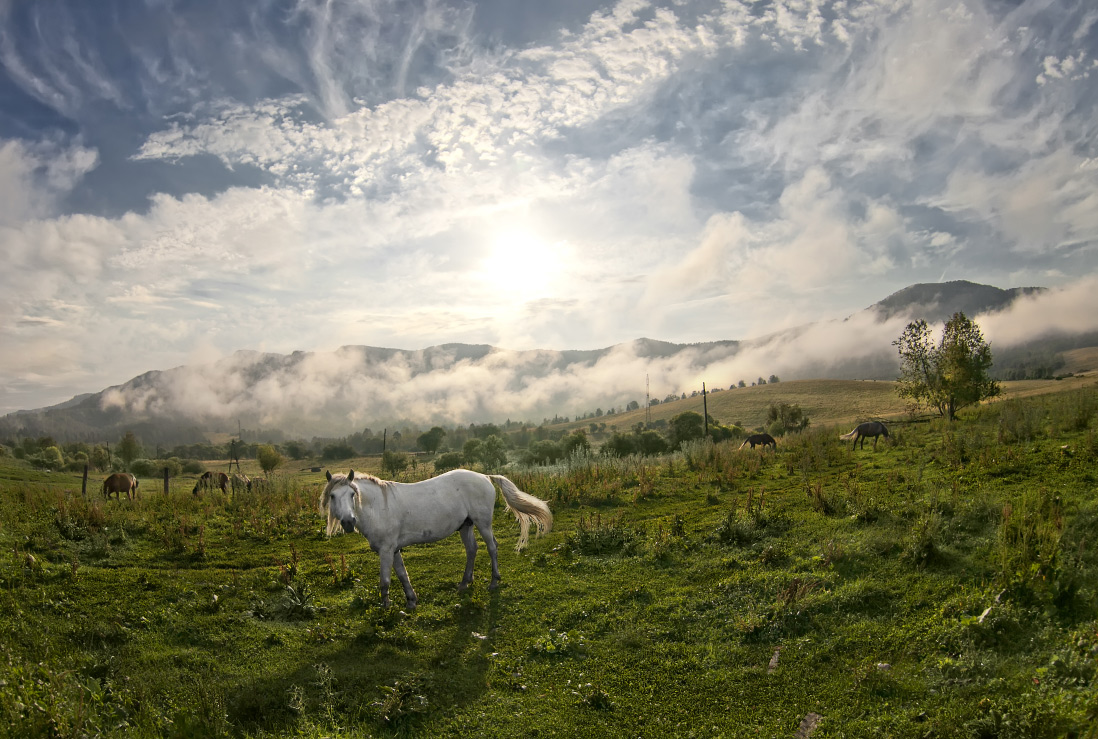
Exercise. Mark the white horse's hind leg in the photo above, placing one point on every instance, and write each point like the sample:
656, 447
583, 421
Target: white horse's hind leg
409, 594
469, 539
490, 544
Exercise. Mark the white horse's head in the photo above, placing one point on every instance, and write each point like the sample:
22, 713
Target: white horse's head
339, 501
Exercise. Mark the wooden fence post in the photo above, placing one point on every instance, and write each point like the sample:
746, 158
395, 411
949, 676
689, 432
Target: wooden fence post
165, 481
84, 484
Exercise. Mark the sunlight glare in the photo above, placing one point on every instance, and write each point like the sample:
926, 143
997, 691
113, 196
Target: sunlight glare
521, 263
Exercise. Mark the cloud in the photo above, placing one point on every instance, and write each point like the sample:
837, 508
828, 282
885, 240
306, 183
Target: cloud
1064, 311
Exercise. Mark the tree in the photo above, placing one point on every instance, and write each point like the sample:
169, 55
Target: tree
430, 441
685, 427
950, 375
268, 457
632, 405
783, 418
575, 441
393, 462
129, 448
100, 457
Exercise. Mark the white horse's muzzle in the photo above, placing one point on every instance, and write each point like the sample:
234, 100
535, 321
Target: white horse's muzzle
348, 524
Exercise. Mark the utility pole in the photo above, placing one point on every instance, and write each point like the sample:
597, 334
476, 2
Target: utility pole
705, 410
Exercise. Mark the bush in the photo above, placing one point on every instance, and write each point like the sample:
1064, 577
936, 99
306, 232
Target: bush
193, 467
448, 461
143, 468
333, 452
619, 445
543, 452
268, 457
393, 463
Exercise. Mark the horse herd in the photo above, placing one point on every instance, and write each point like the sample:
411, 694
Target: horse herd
860, 433
123, 482
392, 515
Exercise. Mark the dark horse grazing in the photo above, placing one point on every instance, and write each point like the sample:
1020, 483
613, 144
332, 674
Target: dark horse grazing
210, 479
862, 430
764, 439
118, 483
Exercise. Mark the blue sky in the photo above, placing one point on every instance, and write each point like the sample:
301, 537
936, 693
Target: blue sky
179, 180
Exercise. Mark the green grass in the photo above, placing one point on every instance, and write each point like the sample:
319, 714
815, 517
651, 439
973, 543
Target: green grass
945, 585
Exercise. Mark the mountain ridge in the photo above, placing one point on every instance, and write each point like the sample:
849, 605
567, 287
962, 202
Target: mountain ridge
307, 393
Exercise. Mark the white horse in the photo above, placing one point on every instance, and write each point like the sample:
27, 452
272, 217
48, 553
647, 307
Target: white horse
863, 430
392, 515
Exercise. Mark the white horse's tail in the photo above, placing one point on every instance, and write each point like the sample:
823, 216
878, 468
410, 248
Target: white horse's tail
852, 435
526, 508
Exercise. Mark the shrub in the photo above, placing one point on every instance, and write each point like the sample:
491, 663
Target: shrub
448, 461
393, 463
268, 457
595, 536
333, 452
193, 467
143, 468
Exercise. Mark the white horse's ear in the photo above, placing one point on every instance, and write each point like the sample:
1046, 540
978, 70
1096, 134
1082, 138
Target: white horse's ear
350, 476
328, 474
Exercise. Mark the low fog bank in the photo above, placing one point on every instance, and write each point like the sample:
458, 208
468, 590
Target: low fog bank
355, 387
334, 393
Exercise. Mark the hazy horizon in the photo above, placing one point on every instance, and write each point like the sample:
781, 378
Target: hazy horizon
181, 181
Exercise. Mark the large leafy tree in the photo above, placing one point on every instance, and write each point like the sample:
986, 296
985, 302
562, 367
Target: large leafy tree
430, 441
948, 375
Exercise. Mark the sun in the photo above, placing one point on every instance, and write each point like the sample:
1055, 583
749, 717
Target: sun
520, 262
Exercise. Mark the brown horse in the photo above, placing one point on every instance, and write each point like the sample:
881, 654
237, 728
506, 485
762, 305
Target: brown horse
118, 483
862, 430
210, 479
764, 439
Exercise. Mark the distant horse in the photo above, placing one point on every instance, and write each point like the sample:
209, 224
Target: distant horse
259, 485
118, 483
862, 430
764, 439
240, 483
211, 479
392, 515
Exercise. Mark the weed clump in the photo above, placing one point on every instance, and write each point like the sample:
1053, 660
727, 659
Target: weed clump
594, 536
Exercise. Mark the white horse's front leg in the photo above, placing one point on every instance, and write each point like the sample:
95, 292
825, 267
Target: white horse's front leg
386, 556
409, 594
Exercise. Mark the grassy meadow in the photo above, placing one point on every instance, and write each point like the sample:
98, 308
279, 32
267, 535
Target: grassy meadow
944, 584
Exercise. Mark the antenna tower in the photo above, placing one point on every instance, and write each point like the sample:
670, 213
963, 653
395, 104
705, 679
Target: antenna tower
647, 404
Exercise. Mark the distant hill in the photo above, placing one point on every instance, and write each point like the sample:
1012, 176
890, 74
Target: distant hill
936, 302
331, 394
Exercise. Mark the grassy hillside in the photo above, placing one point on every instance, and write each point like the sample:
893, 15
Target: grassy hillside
944, 585
827, 402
